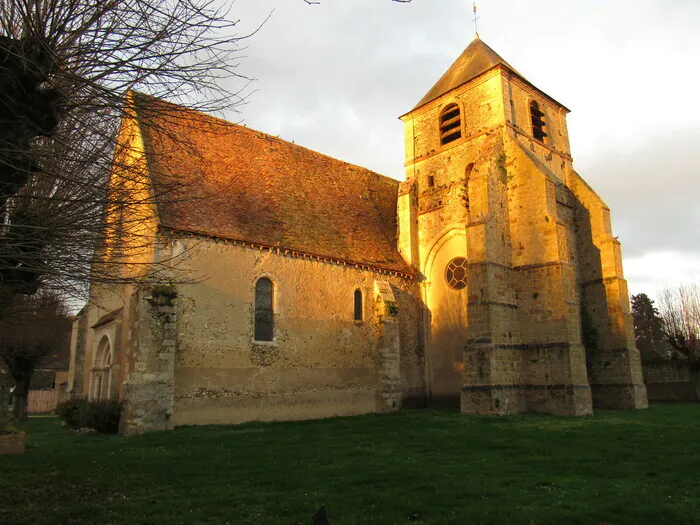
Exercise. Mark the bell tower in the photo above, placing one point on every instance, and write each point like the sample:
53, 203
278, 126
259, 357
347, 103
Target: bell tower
488, 217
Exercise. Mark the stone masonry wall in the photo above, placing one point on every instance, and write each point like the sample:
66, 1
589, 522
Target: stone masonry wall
78, 355
321, 362
149, 387
388, 396
443, 215
614, 364
671, 381
538, 244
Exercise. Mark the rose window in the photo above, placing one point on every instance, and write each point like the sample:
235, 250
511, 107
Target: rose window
456, 273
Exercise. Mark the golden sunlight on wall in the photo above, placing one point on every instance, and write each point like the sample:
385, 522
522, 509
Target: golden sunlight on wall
447, 323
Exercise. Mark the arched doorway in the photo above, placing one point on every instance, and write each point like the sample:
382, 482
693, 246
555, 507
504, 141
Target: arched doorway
446, 298
101, 385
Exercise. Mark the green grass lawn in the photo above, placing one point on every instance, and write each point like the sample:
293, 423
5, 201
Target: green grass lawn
418, 466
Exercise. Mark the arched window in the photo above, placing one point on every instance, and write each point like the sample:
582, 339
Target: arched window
450, 124
264, 310
539, 126
358, 305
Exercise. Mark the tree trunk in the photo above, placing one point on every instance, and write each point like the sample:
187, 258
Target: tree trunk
4, 392
21, 369
21, 397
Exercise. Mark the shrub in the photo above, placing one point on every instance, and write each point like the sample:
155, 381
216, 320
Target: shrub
10, 429
72, 411
8, 425
102, 416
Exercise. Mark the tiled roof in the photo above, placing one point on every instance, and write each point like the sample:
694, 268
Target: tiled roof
225, 180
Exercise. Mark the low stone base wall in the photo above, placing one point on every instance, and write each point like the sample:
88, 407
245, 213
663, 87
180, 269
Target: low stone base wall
623, 396
232, 410
670, 381
560, 400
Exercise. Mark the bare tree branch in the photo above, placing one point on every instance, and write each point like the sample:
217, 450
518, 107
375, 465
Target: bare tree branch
680, 310
66, 67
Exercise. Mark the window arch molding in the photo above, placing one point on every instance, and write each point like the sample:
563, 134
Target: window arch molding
103, 338
450, 122
265, 308
442, 238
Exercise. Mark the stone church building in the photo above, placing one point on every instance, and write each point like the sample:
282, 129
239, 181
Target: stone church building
305, 287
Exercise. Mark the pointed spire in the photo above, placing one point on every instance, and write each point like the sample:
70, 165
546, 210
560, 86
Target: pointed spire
476, 60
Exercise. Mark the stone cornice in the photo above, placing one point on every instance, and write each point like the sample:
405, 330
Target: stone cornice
285, 252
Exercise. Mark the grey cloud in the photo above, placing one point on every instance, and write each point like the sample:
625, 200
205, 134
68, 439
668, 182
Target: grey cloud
653, 190
335, 78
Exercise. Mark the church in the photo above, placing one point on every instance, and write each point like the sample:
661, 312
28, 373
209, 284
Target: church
298, 286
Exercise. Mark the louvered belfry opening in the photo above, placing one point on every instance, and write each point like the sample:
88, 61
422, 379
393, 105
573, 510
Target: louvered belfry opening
450, 124
539, 126
264, 310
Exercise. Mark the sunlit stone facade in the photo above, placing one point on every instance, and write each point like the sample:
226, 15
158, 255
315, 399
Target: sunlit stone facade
544, 322
488, 280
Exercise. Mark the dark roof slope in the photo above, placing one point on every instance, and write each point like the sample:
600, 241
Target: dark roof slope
476, 60
225, 180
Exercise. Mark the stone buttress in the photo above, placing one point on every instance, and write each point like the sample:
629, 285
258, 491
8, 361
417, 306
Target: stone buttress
151, 351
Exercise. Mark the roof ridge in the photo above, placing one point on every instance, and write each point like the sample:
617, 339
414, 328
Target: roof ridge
264, 134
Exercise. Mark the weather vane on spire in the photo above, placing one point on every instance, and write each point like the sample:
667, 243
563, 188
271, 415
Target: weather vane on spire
476, 28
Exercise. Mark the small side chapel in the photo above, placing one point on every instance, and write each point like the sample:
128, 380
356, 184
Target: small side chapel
489, 279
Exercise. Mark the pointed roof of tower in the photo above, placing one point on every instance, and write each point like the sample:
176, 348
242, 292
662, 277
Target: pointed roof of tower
476, 60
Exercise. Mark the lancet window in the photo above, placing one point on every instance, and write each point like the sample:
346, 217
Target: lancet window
357, 304
264, 310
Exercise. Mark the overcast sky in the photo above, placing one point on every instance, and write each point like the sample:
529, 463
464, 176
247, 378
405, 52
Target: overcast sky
335, 77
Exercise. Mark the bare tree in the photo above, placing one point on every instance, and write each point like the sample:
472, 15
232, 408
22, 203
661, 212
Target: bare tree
66, 68
680, 310
33, 328
72, 199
